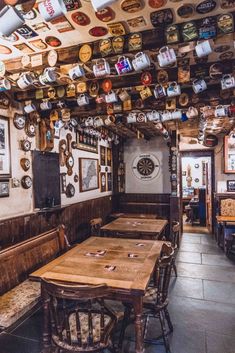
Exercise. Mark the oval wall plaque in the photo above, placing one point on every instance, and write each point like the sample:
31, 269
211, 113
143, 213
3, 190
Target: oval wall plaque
105, 15
98, 31
206, 6
80, 18
131, 6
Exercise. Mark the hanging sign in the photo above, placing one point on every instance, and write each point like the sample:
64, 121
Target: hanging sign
36, 60
85, 53
135, 42
206, 6
105, 47
118, 44
52, 57
116, 29
105, 15
131, 6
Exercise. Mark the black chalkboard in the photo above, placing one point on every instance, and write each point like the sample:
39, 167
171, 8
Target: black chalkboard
46, 179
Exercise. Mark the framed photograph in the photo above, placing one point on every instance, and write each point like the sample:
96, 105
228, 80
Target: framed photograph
231, 185
5, 165
229, 154
89, 174
102, 182
86, 142
109, 182
4, 188
102, 155
109, 157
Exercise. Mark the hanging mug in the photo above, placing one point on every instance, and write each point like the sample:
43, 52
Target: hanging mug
48, 76
145, 93
110, 120
5, 85
123, 65
76, 72
141, 118
29, 108
131, 118
141, 61
10, 20
46, 105
98, 122
227, 81
89, 121
111, 97
82, 100
199, 85
203, 48
51, 9
159, 91
221, 111
166, 56
176, 114
153, 116
101, 68
124, 96
165, 116
192, 112
24, 81
173, 89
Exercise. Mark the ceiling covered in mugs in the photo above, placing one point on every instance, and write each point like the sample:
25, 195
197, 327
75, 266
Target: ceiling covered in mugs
125, 28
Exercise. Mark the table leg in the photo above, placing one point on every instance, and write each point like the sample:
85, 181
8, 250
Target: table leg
46, 327
139, 339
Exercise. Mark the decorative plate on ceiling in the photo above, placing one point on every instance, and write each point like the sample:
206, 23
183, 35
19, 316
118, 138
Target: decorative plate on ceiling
105, 15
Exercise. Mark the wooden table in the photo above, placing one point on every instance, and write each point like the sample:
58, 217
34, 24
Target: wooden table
133, 215
138, 227
222, 221
133, 262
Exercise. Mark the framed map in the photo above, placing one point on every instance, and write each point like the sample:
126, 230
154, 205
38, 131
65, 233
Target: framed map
89, 176
5, 166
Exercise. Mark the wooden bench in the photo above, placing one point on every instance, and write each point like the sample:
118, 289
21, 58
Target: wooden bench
19, 295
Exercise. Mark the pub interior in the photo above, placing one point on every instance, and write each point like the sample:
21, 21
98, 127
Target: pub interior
117, 165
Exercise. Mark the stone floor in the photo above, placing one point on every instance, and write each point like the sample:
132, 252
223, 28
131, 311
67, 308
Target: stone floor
202, 306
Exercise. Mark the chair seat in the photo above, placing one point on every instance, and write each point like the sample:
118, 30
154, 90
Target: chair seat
150, 296
83, 318
18, 301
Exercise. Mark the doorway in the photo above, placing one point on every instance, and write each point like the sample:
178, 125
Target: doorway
197, 187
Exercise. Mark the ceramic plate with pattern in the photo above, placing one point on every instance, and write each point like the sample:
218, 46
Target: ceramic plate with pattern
80, 18
105, 15
98, 31
53, 41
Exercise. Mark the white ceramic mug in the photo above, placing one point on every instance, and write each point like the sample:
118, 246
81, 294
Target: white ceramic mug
176, 114
82, 100
111, 97
10, 20
98, 121
51, 9
165, 116
166, 56
48, 76
124, 96
29, 108
109, 120
227, 81
76, 72
153, 116
101, 68
203, 48
221, 111
101, 4
89, 121
173, 89
141, 61
5, 85
123, 65
46, 105
159, 91
131, 118
25, 81
199, 85
192, 112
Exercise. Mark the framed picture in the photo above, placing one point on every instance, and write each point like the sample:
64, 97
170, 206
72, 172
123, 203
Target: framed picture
109, 157
109, 182
86, 142
102, 155
5, 165
89, 176
102, 182
231, 185
4, 188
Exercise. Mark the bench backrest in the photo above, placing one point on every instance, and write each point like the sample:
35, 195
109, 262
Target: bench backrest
18, 261
227, 207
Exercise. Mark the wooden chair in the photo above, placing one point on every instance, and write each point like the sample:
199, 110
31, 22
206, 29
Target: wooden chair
155, 301
76, 318
175, 242
95, 225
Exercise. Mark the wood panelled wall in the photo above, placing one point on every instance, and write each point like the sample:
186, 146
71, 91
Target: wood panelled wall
75, 217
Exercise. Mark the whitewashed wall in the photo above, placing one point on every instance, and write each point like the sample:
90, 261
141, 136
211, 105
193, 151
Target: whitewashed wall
157, 147
20, 200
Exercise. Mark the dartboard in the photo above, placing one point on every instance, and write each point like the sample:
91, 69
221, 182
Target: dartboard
145, 166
